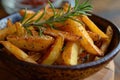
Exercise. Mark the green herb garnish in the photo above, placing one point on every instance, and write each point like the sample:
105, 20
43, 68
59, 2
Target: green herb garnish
24, 16
60, 16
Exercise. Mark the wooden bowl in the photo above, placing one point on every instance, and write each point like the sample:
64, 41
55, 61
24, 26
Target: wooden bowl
28, 71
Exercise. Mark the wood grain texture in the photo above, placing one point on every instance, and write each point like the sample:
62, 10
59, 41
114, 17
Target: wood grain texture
106, 73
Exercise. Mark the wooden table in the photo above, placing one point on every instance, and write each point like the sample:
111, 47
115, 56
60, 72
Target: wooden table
106, 73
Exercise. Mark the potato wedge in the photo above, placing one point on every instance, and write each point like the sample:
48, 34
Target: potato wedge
9, 29
66, 6
93, 27
70, 53
94, 36
18, 53
54, 52
68, 36
35, 56
30, 13
49, 13
59, 61
85, 40
3, 34
105, 44
31, 43
20, 30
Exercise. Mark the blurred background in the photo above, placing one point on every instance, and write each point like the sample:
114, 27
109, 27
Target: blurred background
109, 9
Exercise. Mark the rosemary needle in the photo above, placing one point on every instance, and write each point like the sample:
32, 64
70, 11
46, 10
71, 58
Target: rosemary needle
78, 9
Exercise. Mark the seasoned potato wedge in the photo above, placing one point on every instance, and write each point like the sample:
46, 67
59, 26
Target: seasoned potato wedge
94, 36
66, 35
34, 55
30, 13
16, 52
31, 43
105, 44
3, 33
10, 29
48, 13
70, 26
85, 40
93, 27
54, 52
20, 30
70, 53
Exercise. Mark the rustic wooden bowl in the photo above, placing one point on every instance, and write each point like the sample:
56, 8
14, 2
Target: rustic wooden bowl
28, 71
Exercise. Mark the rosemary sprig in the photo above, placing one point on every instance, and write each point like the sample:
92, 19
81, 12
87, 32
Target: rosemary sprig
53, 8
24, 16
41, 16
69, 8
78, 9
29, 20
40, 31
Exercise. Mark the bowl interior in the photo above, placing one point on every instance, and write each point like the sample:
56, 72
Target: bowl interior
103, 24
100, 22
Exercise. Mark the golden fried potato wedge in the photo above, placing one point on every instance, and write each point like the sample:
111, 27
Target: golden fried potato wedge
48, 13
70, 26
93, 27
54, 52
31, 43
65, 7
70, 53
35, 55
105, 44
59, 61
30, 13
3, 34
9, 29
20, 30
68, 36
94, 36
18, 53
85, 40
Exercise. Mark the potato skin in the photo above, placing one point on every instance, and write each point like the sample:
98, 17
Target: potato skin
70, 53
8, 30
85, 40
18, 53
68, 36
54, 52
31, 43
93, 27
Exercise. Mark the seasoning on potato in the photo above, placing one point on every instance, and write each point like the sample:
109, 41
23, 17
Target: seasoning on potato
64, 36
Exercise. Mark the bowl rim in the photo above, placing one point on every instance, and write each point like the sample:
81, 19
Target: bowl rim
79, 66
